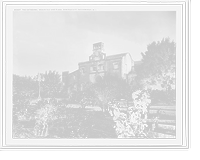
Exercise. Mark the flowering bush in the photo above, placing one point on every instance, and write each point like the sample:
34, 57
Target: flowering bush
43, 117
131, 120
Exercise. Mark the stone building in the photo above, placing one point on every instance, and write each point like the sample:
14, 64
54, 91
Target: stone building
98, 65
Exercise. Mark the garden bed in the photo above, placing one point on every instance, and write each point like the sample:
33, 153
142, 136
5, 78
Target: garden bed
74, 122
96, 127
100, 125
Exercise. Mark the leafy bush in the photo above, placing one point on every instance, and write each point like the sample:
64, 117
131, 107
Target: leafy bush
46, 112
131, 123
85, 98
104, 90
64, 101
22, 107
18, 97
75, 97
26, 85
158, 96
162, 96
173, 94
20, 132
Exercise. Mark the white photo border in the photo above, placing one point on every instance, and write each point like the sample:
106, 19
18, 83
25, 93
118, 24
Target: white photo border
8, 139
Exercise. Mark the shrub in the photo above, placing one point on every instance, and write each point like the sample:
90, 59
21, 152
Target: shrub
85, 98
18, 97
75, 97
173, 93
65, 101
20, 132
106, 88
46, 112
131, 123
162, 96
158, 96
22, 107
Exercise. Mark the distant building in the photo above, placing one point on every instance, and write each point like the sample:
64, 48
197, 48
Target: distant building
98, 65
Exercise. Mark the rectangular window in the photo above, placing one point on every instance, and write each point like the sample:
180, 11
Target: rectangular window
82, 70
93, 69
100, 67
116, 65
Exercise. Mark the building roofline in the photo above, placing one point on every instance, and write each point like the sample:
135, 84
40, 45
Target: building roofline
114, 56
84, 62
130, 56
74, 72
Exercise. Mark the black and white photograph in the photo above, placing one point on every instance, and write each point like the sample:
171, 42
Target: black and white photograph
95, 72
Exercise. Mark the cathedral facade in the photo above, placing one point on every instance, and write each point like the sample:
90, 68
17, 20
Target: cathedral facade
98, 65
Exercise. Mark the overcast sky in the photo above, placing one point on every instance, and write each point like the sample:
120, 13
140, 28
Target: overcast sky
60, 40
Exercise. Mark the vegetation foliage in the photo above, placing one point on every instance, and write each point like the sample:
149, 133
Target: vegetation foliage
162, 96
23, 132
51, 83
85, 98
49, 117
158, 70
22, 107
132, 123
45, 113
25, 85
106, 89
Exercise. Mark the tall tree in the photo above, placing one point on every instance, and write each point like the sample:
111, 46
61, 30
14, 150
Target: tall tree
126, 88
157, 70
17, 83
24, 87
105, 89
51, 85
